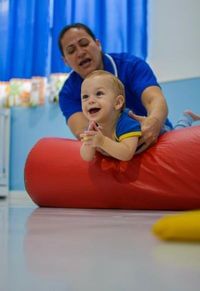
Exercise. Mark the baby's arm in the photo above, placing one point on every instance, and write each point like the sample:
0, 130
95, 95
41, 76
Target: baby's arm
87, 151
123, 150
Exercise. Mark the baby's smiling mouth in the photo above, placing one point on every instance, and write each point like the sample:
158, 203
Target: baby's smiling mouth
93, 110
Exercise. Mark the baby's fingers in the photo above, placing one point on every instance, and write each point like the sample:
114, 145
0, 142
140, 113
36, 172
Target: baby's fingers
85, 138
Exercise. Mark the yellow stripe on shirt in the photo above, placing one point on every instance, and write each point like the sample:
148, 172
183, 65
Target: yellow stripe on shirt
129, 134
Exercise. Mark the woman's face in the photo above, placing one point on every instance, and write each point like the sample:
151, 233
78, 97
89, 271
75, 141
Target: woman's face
81, 52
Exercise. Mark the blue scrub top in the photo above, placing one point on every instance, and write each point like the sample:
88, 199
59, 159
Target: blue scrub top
135, 74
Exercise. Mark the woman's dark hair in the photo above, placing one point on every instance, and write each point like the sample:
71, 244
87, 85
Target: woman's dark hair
74, 25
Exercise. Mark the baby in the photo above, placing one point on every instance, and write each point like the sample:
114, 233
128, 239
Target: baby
111, 130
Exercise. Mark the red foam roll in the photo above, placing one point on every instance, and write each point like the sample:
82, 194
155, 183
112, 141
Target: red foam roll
165, 177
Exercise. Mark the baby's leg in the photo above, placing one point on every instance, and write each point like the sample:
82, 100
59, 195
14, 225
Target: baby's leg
194, 116
187, 119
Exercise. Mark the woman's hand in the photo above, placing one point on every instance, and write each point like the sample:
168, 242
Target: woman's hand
150, 127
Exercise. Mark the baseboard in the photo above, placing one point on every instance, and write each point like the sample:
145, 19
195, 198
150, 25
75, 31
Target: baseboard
18, 194
4, 191
19, 197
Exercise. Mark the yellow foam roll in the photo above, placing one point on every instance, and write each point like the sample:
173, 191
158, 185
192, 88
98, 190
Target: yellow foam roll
180, 227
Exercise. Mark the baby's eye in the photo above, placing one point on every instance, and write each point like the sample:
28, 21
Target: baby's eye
84, 97
99, 93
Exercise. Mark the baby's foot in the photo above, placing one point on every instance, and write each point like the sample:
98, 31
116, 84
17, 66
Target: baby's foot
194, 116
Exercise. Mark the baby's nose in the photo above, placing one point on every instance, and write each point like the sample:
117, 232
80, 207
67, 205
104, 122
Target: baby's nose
91, 99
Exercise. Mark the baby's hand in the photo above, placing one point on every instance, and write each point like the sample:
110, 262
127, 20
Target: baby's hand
94, 126
98, 139
92, 138
87, 137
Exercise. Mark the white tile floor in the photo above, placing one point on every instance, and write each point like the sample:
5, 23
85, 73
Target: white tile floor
90, 250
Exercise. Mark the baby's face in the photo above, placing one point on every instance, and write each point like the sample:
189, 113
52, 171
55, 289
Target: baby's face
98, 98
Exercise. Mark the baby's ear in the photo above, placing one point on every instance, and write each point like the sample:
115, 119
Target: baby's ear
119, 102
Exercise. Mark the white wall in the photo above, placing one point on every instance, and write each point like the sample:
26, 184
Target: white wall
174, 38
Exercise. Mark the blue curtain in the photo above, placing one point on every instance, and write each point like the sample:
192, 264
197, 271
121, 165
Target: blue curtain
29, 31
24, 34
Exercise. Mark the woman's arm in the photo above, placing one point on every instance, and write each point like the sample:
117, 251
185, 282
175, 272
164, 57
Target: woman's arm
157, 111
155, 104
77, 124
